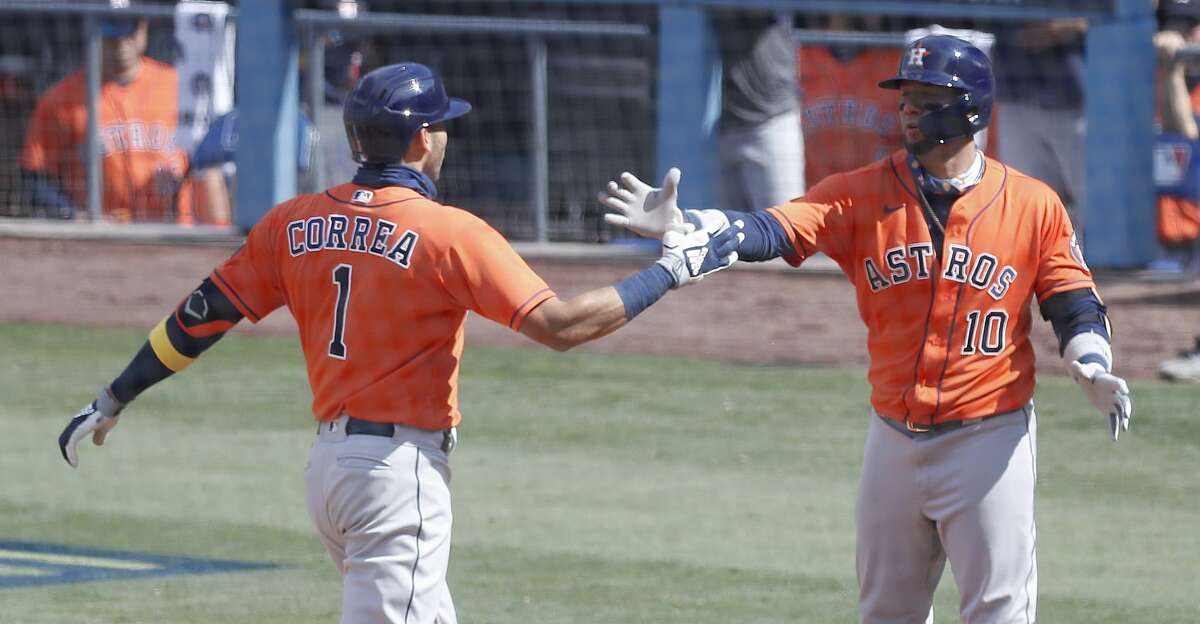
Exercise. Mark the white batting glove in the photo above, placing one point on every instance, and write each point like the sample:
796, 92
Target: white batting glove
97, 418
1107, 392
689, 257
710, 220
644, 209
1089, 359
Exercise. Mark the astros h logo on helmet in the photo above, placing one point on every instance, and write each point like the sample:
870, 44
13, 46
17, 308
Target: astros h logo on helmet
916, 56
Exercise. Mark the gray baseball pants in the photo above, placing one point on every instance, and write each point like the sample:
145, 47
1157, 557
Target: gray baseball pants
1047, 144
965, 494
762, 165
382, 508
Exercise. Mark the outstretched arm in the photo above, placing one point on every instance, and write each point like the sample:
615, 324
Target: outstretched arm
1177, 114
561, 324
765, 238
199, 321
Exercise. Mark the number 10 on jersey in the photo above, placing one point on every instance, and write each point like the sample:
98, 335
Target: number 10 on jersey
985, 332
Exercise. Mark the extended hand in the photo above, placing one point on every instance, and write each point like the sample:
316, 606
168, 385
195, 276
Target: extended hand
644, 209
689, 257
97, 418
1107, 392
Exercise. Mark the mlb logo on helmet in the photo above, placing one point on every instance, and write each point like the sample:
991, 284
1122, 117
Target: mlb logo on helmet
362, 197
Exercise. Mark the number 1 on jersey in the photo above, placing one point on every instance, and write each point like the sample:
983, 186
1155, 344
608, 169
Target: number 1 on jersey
341, 277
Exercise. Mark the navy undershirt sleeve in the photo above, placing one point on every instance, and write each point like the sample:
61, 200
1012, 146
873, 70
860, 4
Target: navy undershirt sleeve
765, 236
143, 371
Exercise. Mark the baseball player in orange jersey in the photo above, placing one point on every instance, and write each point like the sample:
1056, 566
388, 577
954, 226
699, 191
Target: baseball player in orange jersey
380, 277
945, 247
139, 114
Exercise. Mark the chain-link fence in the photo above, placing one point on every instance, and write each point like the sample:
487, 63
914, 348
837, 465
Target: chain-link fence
566, 95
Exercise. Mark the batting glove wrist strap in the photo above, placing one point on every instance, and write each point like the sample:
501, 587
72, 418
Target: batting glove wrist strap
108, 403
1089, 347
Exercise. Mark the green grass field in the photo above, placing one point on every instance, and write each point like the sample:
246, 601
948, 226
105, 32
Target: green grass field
588, 488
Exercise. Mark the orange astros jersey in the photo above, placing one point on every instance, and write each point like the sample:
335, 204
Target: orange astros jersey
848, 121
138, 122
380, 282
948, 338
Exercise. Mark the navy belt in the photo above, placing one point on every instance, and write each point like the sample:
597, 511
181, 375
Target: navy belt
355, 426
367, 427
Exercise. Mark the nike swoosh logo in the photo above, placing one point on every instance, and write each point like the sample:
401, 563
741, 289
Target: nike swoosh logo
890, 209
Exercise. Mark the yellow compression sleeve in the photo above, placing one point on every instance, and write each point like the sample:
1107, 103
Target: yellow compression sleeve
166, 352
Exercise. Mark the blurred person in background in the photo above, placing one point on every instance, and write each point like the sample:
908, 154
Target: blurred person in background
143, 169
847, 121
1040, 77
344, 60
1178, 185
1177, 172
761, 150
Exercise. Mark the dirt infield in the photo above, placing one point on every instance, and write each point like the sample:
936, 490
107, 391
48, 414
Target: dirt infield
744, 315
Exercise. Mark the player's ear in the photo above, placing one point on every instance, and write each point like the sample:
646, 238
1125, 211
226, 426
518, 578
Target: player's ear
420, 145
142, 33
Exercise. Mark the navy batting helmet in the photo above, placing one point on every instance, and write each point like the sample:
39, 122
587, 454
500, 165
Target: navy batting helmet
949, 62
389, 105
1183, 9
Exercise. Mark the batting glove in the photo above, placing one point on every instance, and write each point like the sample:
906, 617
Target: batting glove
644, 209
689, 257
1107, 392
98, 419
1089, 359
711, 221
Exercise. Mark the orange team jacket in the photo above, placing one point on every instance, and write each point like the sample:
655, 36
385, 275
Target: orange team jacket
848, 121
380, 282
948, 339
1179, 217
137, 133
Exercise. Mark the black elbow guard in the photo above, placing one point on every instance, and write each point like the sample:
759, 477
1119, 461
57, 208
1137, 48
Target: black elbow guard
1074, 312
